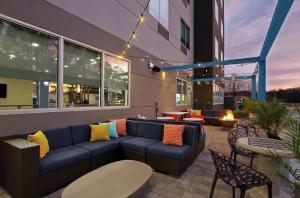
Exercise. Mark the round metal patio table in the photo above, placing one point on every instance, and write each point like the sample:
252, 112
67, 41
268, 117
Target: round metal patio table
264, 163
264, 146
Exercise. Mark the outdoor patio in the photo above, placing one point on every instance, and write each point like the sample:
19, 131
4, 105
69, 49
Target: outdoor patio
197, 180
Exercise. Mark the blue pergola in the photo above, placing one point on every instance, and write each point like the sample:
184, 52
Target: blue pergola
280, 14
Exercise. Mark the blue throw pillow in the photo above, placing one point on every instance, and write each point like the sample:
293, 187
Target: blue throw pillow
112, 129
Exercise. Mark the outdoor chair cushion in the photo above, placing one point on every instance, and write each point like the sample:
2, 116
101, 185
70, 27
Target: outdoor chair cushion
137, 143
170, 151
80, 133
62, 157
150, 130
99, 147
59, 137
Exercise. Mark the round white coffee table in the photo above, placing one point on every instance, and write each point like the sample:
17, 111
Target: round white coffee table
119, 179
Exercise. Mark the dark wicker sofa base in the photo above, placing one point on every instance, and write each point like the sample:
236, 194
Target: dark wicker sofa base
23, 176
168, 165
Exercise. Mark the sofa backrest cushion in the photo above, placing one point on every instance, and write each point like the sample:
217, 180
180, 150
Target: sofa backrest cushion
150, 130
189, 135
80, 133
131, 127
59, 137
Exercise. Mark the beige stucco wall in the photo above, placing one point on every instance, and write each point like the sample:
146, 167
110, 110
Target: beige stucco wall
19, 92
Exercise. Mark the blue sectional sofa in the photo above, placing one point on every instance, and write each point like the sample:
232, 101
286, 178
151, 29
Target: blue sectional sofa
72, 155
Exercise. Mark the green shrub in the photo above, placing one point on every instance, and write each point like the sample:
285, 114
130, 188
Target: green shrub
271, 117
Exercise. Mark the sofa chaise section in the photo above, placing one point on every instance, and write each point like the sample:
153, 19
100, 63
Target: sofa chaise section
173, 159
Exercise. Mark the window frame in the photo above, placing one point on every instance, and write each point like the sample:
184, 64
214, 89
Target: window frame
185, 43
159, 15
60, 74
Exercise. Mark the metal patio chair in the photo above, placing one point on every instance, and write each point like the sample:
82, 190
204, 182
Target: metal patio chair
237, 175
232, 137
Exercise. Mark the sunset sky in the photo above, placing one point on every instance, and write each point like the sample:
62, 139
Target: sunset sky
246, 25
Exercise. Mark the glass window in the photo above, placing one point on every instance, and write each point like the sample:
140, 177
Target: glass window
185, 34
159, 9
115, 81
216, 11
216, 49
183, 93
81, 76
28, 68
222, 29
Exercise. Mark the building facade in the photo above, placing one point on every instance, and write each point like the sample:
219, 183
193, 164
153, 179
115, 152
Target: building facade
59, 61
209, 46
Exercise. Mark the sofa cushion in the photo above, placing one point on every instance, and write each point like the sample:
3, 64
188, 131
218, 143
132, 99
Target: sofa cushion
190, 135
59, 137
122, 138
150, 130
131, 127
170, 151
137, 143
62, 157
80, 133
99, 147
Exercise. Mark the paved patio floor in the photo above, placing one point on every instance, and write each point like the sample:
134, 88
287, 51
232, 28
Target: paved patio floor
196, 181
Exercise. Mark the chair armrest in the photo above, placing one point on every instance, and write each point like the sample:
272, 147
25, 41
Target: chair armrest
20, 167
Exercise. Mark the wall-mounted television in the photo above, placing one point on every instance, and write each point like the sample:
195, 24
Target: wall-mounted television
3, 90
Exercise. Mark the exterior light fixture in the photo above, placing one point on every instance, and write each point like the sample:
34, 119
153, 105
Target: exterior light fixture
12, 56
35, 44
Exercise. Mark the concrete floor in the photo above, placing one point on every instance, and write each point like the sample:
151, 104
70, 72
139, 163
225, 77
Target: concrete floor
197, 180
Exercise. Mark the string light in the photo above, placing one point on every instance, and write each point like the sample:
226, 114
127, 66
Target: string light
142, 18
133, 35
142, 59
177, 73
162, 62
128, 45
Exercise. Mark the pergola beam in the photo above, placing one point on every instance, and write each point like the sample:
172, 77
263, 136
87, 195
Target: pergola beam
212, 64
281, 11
223, 78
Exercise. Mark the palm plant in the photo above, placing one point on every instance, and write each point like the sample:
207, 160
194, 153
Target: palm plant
292, 142
271, 117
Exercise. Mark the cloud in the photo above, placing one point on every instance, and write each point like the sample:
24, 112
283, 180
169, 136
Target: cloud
247, 23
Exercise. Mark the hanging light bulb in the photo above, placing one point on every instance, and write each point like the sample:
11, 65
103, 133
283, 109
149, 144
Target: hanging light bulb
162, 62
128, 45
142, 18
217, 75
124, 52
142, 59
177, 73
133, 35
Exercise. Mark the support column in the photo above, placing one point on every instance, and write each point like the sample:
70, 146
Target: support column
262, 96
253, 91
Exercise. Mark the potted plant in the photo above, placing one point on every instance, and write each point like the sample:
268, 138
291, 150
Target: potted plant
251, 107
291, 140
271, 117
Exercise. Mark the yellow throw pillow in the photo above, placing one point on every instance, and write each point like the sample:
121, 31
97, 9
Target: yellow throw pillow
40, 139
100, 132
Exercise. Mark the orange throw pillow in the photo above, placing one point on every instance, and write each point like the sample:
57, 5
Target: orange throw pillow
173, 134
121, 126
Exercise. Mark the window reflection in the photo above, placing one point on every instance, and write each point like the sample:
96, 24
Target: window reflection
28, 68
81, 76
115, 81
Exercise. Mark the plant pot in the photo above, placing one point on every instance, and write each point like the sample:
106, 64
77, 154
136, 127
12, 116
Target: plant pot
252, 116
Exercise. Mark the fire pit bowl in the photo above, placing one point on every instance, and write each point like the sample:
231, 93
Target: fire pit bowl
228, 121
